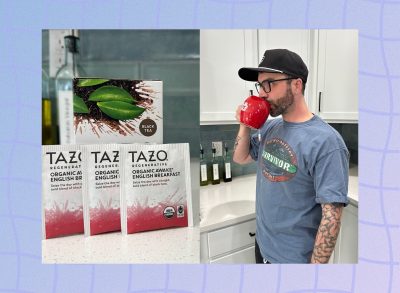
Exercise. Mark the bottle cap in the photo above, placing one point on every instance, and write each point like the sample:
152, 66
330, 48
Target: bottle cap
71, 43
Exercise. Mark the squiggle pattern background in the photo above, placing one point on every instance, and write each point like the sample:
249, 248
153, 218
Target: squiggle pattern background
20, 138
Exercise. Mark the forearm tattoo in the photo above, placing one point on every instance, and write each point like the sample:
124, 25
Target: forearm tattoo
327, 234
238, 138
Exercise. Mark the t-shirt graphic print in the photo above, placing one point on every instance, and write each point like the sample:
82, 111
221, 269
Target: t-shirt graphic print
279, 162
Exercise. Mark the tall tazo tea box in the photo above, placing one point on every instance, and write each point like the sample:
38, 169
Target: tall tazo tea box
117, 111
62, 212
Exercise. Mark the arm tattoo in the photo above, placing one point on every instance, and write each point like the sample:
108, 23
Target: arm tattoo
238, 138
328, 232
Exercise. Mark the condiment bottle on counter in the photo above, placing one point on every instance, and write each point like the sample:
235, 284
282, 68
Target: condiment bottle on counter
203, 168
215, 169
227, 176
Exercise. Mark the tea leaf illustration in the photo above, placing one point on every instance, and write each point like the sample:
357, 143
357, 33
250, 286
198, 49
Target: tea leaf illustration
120, 110
109, 93
80, 106
90, 82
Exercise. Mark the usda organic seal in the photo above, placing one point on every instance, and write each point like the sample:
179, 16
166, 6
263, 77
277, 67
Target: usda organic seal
169, 212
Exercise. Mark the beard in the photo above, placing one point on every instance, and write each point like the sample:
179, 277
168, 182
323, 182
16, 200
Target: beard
282, 104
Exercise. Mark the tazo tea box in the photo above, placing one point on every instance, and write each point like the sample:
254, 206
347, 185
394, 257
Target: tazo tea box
117, 111
62, 212
101, 188
155, 187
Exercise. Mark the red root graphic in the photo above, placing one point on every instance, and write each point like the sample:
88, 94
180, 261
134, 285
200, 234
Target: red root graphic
104, 219
143, 217
63, 222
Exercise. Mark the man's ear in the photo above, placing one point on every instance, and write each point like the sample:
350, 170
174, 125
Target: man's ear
298, 86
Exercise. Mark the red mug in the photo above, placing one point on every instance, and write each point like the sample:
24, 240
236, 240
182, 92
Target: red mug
254, 112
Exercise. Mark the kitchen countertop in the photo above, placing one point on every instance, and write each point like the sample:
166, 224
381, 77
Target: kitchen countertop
226, 204
241, 189
178, 245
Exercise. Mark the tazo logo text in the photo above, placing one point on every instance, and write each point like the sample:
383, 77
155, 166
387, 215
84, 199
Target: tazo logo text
149, 156
100, 157
72, 157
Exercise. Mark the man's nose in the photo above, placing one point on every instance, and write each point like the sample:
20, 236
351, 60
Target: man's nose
262, 94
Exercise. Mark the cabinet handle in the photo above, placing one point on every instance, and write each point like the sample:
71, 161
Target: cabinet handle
319, 101
252, 234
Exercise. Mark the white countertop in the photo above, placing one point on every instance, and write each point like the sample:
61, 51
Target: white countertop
213, 198
233, 202
178, 245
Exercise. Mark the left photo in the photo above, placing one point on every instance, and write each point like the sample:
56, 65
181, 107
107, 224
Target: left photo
120, 144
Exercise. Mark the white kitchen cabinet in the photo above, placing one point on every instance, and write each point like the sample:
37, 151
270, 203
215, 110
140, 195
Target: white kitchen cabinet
336, 92
332, 60
235, 244
331, 57
232, 244
222, 54
244, 256
346, 250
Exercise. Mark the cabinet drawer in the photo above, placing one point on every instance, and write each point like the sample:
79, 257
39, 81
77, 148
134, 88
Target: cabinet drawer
246, 255
231, 238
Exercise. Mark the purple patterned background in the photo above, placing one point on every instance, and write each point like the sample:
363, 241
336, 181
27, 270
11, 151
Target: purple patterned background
21, 23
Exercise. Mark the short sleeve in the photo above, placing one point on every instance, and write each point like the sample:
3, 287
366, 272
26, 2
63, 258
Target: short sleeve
254, 146
332, 177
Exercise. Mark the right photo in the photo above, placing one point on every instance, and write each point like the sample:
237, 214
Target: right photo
279, 146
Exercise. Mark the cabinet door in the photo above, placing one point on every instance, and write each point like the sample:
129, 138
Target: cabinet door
222, 54
231, 238
346, 250
204, 258
337, 85
245, 256
298, 41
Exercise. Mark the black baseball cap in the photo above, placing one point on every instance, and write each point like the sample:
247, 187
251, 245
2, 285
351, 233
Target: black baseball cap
277, 61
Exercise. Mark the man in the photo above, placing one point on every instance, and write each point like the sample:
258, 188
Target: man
302, 174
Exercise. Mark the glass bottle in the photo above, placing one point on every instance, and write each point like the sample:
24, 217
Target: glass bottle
203, 168
64, 90
215, 169
227, 177
49, 133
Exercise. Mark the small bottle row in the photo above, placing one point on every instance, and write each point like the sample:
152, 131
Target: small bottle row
217, 169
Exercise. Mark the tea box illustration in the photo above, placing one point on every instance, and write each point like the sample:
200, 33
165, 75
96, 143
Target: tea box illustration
117, 111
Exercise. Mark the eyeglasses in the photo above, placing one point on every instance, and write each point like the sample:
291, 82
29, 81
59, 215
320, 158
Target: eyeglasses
266, 84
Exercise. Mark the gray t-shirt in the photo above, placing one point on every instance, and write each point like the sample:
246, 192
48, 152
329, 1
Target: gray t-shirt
300, 166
